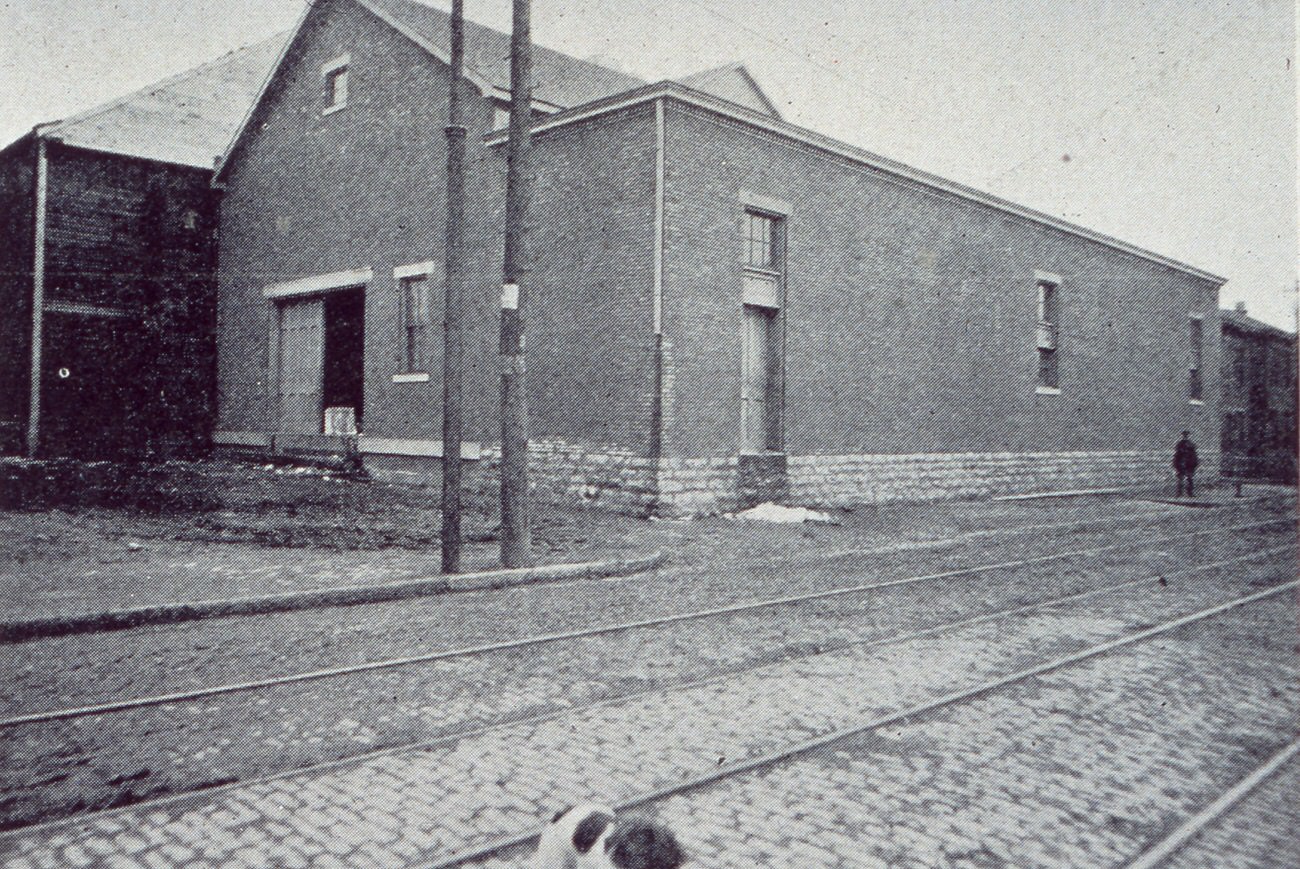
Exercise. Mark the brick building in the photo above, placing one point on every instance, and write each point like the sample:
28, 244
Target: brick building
107, 267
724, 306
1259, 398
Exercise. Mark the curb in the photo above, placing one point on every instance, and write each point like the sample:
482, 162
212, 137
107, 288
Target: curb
172, 613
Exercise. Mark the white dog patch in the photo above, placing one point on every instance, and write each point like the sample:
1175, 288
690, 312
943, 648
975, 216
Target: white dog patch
589, 837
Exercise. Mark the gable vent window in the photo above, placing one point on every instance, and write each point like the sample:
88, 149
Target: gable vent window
335, 74
1048, 334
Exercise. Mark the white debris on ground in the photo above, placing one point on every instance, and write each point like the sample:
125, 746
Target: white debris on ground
771, 512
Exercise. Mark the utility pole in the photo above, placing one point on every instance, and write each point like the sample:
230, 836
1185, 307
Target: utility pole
516, 542
453, 343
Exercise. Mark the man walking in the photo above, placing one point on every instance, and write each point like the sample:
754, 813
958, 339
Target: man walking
1185, 462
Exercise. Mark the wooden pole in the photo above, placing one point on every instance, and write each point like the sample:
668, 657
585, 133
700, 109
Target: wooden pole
516, 538
453, 351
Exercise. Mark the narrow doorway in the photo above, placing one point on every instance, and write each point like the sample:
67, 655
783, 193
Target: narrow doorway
759, 379
344, 376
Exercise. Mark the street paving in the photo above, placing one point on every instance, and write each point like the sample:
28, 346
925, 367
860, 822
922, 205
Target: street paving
412, 806
53, 770
1260, 832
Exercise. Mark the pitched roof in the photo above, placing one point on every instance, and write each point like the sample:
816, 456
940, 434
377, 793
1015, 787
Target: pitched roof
187, 119
558, 79
732, 82
1245, 323
900, 172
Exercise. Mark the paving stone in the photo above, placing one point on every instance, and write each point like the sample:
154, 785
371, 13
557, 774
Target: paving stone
983, 762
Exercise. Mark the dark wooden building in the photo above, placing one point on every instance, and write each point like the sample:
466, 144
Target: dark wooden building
108, 229
1259, 398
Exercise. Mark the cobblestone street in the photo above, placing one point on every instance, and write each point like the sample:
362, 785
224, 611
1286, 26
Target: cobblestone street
64, 766
1082, 766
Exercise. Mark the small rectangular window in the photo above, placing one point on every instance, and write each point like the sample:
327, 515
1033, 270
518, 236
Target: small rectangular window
416, 317
1048, 335
336, 82
337, 86
762, 241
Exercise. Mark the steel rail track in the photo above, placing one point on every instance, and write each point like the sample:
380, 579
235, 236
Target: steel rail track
1187, 830
542, 639
907, 636
508, 843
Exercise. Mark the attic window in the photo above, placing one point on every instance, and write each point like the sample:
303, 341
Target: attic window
336, 83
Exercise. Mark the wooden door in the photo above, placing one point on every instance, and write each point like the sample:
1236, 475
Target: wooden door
755, 384
301, 366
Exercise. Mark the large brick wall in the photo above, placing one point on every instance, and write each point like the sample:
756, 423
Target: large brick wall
908, 321
364, 187
910, 314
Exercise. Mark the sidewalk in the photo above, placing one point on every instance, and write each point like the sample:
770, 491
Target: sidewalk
246, 531
410, 807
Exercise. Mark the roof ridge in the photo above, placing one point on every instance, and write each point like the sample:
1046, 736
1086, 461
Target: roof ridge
162, 84
470, 24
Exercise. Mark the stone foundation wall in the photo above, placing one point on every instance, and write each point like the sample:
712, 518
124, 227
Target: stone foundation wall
832, 481
607, 477
620, 481
698, 486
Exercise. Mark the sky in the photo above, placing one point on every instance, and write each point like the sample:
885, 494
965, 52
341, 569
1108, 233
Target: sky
1170, 124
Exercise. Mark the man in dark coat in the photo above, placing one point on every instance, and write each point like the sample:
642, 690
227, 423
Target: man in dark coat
1185, 462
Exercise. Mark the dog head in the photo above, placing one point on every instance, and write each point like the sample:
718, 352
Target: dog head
636, 843
588, 837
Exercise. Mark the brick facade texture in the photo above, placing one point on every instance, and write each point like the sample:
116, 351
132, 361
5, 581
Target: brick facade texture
910, 314
365, 187
908, 321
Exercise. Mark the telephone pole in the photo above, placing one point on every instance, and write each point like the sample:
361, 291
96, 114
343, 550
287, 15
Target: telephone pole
516, 542
453, 344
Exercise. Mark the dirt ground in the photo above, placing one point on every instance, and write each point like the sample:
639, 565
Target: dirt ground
187, 531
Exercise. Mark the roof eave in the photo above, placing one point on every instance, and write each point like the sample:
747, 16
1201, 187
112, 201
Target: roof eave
734, 111
128, 153
219, 165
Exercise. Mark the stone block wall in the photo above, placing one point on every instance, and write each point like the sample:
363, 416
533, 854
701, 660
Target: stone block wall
845, 480
618, 480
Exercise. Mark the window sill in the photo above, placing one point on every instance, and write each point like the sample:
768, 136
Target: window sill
329, 110
1048, 390
411, 377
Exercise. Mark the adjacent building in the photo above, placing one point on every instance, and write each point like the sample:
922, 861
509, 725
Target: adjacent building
1259, 398
108, 226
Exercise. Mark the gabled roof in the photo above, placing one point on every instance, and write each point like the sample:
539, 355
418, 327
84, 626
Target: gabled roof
187, 119
735, 83
558, 79
1241, 321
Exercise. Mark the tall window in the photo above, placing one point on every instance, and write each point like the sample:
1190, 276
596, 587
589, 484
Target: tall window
1195, 388
416, 316
761, 351
762, 241
1048, 331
